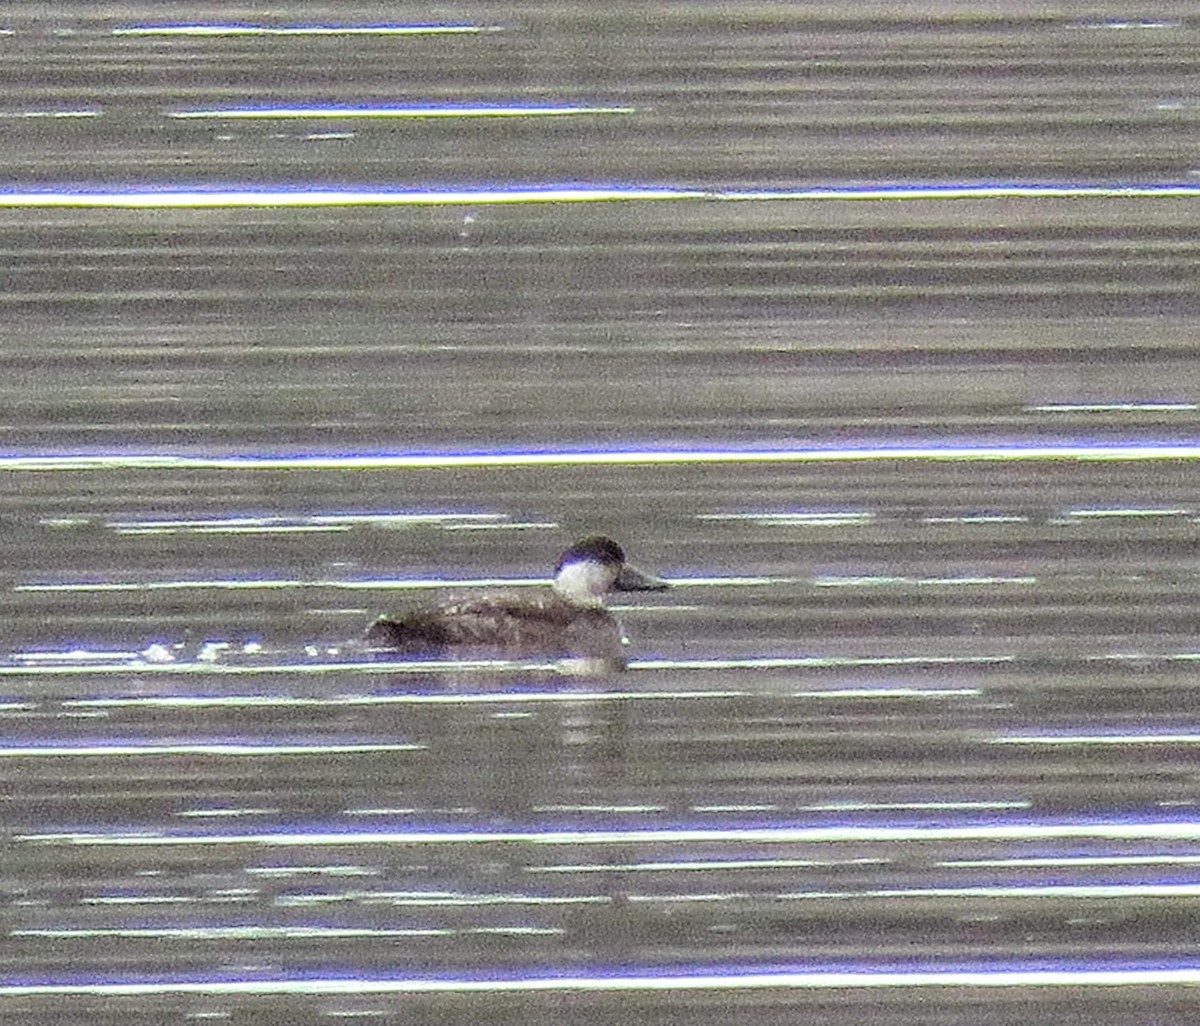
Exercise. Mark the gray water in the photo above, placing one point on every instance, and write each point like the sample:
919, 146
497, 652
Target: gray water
913, 737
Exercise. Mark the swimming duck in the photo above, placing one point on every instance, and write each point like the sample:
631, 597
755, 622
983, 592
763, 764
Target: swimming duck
568, 619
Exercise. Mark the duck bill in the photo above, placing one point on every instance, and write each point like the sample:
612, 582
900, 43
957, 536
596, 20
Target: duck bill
632, 579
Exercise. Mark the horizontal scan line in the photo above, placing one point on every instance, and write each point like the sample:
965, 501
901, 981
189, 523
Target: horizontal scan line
370, 584
149, 197
301, 30
252, 933
1098, 891
1096, 739
1065, 451
1131, 407
802, 979
139, 666
467, 698
197, 748
484, 698
415, 112
167, 198
1157, 831
996, 190
31, 114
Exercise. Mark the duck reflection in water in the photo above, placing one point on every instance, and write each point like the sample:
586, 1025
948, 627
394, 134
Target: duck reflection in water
568, 621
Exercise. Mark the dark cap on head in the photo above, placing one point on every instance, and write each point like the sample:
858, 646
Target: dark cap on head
597, 548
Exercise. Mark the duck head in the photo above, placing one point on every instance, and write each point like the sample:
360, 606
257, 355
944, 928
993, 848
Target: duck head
595, 566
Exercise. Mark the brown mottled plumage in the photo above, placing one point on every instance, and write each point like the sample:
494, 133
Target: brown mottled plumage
516, 622
568, 620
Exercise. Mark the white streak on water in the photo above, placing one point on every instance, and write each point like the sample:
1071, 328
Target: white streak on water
235, 933
835, 518
334, 519
201, 199
1074, 891
1011, 190
226, 813
489, 698
243, 529
1073, 860
301, 30
806, 662
1126, 512
987, 832
152, 199
482, 698
703, 865
466, 665
1062, 451
407, 899
978, 518
855, 582
1131, 407
298, 668
288, 871
894, 692
31, 114
372, 584
804, 979
483, 111
198, 748
1096, 739
921, 806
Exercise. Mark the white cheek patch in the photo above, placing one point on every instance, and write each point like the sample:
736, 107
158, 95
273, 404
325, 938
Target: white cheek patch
584, 582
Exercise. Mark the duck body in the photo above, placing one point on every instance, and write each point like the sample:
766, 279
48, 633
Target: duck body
522, 624
569, 619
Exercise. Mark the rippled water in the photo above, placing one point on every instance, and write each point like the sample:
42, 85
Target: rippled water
875, 334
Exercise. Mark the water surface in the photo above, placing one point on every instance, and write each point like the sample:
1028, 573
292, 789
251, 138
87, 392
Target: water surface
913, 738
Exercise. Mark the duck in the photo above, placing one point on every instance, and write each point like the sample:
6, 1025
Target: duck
567, 620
